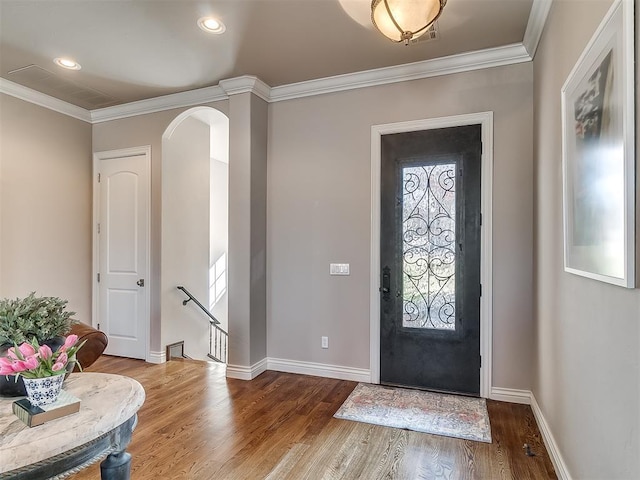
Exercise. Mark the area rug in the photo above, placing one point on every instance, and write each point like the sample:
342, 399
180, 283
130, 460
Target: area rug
436, 413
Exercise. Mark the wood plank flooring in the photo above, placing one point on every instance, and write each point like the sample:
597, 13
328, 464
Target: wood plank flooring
197, 424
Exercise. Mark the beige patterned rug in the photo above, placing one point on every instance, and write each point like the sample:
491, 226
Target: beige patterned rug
436, 413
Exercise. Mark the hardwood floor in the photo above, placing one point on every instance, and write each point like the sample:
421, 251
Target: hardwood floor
197, 424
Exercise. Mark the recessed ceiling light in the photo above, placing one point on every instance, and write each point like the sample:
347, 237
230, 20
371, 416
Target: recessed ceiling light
67, 63
211, 25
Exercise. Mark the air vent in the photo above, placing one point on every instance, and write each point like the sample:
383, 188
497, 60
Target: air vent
57, 86
431, 34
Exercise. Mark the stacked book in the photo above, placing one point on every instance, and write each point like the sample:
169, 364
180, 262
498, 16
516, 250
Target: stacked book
32, 415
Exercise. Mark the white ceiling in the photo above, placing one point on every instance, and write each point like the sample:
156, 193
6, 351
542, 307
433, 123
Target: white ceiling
137, 49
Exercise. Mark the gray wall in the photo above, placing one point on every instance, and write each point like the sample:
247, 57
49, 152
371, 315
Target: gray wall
587, 335
45, 204
259, 138
318, 212
247, 225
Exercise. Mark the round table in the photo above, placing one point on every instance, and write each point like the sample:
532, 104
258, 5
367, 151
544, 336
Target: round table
102, 427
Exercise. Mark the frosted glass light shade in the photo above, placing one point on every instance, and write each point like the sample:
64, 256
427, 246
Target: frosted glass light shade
402, 20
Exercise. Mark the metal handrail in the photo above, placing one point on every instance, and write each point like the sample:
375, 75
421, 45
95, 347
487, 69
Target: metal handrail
213, 320
218, 338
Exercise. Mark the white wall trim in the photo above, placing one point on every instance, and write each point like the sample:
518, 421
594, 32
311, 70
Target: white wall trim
550, 442
246, 84
158, 104
464, 62
241, 372
537, 20
211, 113
319, 369
32, 96
157, 357
485, 119
486, 256
511, 395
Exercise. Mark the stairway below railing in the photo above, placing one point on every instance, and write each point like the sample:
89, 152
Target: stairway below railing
218, 338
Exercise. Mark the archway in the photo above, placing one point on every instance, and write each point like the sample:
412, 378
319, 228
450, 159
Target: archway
194, 252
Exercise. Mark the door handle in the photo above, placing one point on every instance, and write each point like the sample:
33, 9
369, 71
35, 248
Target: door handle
386, 283
140, 282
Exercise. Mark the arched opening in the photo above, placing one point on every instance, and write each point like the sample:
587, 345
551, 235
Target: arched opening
194, 252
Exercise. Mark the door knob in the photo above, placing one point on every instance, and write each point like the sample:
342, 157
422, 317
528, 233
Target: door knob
140, 282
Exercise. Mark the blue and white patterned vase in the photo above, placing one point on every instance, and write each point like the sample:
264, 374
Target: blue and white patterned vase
43, 391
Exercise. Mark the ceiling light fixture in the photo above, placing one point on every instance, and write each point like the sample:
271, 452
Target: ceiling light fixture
67, 63
402, 20
211, 25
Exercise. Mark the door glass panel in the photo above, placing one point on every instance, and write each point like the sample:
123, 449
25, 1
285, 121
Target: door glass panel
428, 246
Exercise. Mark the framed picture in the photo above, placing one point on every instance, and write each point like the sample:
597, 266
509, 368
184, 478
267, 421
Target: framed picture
598, 154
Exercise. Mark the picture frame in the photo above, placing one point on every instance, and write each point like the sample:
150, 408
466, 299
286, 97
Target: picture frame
598, 154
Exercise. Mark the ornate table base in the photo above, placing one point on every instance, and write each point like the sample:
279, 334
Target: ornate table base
103, 427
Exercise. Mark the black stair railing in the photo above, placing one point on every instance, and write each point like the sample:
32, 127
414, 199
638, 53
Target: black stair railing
218, 338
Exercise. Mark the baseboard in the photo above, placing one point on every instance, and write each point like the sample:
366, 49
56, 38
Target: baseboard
319, 369
241, 372
510, 395
549, 441
157, 357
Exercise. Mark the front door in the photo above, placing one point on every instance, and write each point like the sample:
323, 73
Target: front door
123, 250
430, 258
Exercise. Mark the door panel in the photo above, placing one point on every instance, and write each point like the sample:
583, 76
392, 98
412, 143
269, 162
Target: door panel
122, 308
121, 191
430, 254
122, 249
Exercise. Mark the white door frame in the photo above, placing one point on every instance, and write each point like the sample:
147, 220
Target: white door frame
485, 119
97, 157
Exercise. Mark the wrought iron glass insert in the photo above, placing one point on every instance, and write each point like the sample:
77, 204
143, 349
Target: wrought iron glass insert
428, 246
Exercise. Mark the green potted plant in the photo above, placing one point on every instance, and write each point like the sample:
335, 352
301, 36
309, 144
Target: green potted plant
44, 319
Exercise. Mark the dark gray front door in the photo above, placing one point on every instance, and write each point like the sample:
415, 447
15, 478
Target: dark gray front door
430, 258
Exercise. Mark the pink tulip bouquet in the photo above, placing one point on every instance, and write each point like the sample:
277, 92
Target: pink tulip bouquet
31, 360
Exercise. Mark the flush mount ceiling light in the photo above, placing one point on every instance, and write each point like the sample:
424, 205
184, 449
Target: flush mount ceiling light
402, 20
67, 63
211, 25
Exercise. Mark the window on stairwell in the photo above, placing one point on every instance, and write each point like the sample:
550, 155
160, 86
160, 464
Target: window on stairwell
217, 280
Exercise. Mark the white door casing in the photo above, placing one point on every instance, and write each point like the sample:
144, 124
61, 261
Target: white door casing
485, 119
121, 246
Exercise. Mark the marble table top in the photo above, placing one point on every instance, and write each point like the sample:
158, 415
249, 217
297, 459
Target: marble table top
106, 402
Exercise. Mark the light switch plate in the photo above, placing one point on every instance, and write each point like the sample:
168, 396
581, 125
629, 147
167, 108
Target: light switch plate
339, 269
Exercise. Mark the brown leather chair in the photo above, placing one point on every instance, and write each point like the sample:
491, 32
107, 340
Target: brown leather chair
91, 351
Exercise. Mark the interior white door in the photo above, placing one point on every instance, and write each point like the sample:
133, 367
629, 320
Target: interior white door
123, 250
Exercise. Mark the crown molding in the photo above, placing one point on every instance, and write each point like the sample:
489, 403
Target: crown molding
537, 20
464, 62
246, 84
32, 96
222, 91
159, 104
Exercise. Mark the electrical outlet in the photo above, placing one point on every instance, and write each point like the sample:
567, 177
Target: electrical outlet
325, 342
